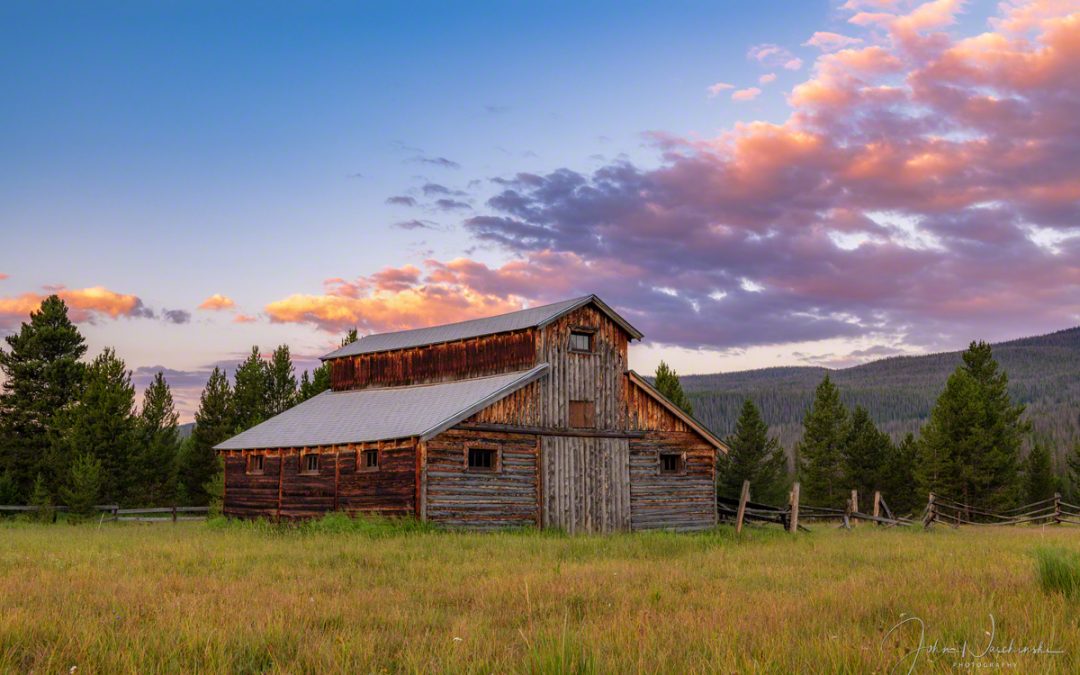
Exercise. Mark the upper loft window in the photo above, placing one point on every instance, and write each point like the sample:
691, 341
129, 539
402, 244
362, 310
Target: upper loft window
581, 340
582, 414
309, 463
255, 464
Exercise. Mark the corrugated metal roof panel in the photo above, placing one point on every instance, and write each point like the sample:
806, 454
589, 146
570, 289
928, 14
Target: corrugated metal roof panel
335, 417
520, 320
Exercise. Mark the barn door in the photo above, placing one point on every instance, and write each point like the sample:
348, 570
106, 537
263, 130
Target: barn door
586, 483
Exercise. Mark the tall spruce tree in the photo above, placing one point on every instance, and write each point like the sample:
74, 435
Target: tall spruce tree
159, 442
667, 382
251, 391
866, 454
820, 452
1072, 461
1039, 480
103, 425
281, 382
755, 457
970, 448
214, 422
898, 484
42, 378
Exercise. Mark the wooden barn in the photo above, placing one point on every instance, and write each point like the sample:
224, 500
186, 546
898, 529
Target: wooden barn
528, 418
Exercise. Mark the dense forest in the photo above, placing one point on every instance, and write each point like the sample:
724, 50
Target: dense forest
899, 392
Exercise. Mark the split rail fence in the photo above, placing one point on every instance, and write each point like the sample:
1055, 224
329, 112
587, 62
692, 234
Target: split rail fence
113, 513
939, 509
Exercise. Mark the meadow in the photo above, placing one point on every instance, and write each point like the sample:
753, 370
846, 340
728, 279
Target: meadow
377, 597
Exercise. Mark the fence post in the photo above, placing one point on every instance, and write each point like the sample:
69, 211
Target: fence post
743, 498
174, 513
931, 513
1057, 508
846, 523
793, 520
877, 505
855, 506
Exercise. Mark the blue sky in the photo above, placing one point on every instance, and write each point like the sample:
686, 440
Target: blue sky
171, 151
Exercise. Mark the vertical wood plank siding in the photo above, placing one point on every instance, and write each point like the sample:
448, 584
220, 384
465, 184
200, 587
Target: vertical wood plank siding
284, 491
683, 501
462, 359
480, 499
597, 376
586, 483
647, 414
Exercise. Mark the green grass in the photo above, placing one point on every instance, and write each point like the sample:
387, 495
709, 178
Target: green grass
1059, 571
389, 596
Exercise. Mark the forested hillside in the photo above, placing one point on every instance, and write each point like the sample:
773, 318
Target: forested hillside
1044, 374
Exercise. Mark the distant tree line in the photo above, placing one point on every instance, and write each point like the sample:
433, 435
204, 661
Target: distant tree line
71, 432
969, 449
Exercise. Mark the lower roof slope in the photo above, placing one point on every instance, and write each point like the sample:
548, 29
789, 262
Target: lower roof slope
335, 417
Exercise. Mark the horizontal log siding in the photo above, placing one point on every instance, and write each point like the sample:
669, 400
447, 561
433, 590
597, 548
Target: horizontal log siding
251, 495
648, 414
599, 376
475, 499
462, 359
306, 495
684, 501
387, 491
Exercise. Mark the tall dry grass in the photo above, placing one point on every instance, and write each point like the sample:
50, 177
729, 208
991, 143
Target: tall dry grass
341, 596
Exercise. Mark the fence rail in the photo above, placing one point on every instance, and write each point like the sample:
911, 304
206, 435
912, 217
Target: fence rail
113, 512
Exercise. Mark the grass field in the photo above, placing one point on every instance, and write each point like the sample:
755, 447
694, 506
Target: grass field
242, 598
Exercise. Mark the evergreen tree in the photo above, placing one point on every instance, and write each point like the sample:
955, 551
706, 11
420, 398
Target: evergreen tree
42, 499
866, 454
154, 468
281, 382
820, 452
9, 493
214, 423
84, 485
251, 392
970, 448
1039, 480
1073, 462
755, 457
319, 381
103, 425
898, 483
667, 382
42, 377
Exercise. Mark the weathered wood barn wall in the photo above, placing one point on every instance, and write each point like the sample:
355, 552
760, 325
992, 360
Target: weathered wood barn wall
555, 466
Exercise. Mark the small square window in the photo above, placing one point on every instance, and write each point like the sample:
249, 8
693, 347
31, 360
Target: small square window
671, 463
580, 341
309, 463
582, 414
483, 458
255, 464
371, 459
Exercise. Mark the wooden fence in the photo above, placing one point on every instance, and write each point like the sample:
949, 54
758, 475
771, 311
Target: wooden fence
113, 513
939, 509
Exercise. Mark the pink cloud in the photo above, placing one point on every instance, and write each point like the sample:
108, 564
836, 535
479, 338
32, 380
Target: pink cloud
217, 302
745, 94
715, 89
830, 42
767, 78
84, 305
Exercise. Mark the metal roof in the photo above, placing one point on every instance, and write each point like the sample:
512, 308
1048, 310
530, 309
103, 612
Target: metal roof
503, 323
335, 417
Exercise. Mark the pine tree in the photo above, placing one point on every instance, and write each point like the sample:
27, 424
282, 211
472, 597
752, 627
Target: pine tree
820, 451
319, 381
103, 424
970, 448
755, 457
42, 499
1073, 462
251, 392
214, 423
154, 467
84, 485
1039, 480
42, 378
281, 382
866, 453
898, 483
667, 382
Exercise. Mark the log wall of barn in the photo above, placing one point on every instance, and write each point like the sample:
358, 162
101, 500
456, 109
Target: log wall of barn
458, 360
284, 489
597, 376
458, 496
682, 501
